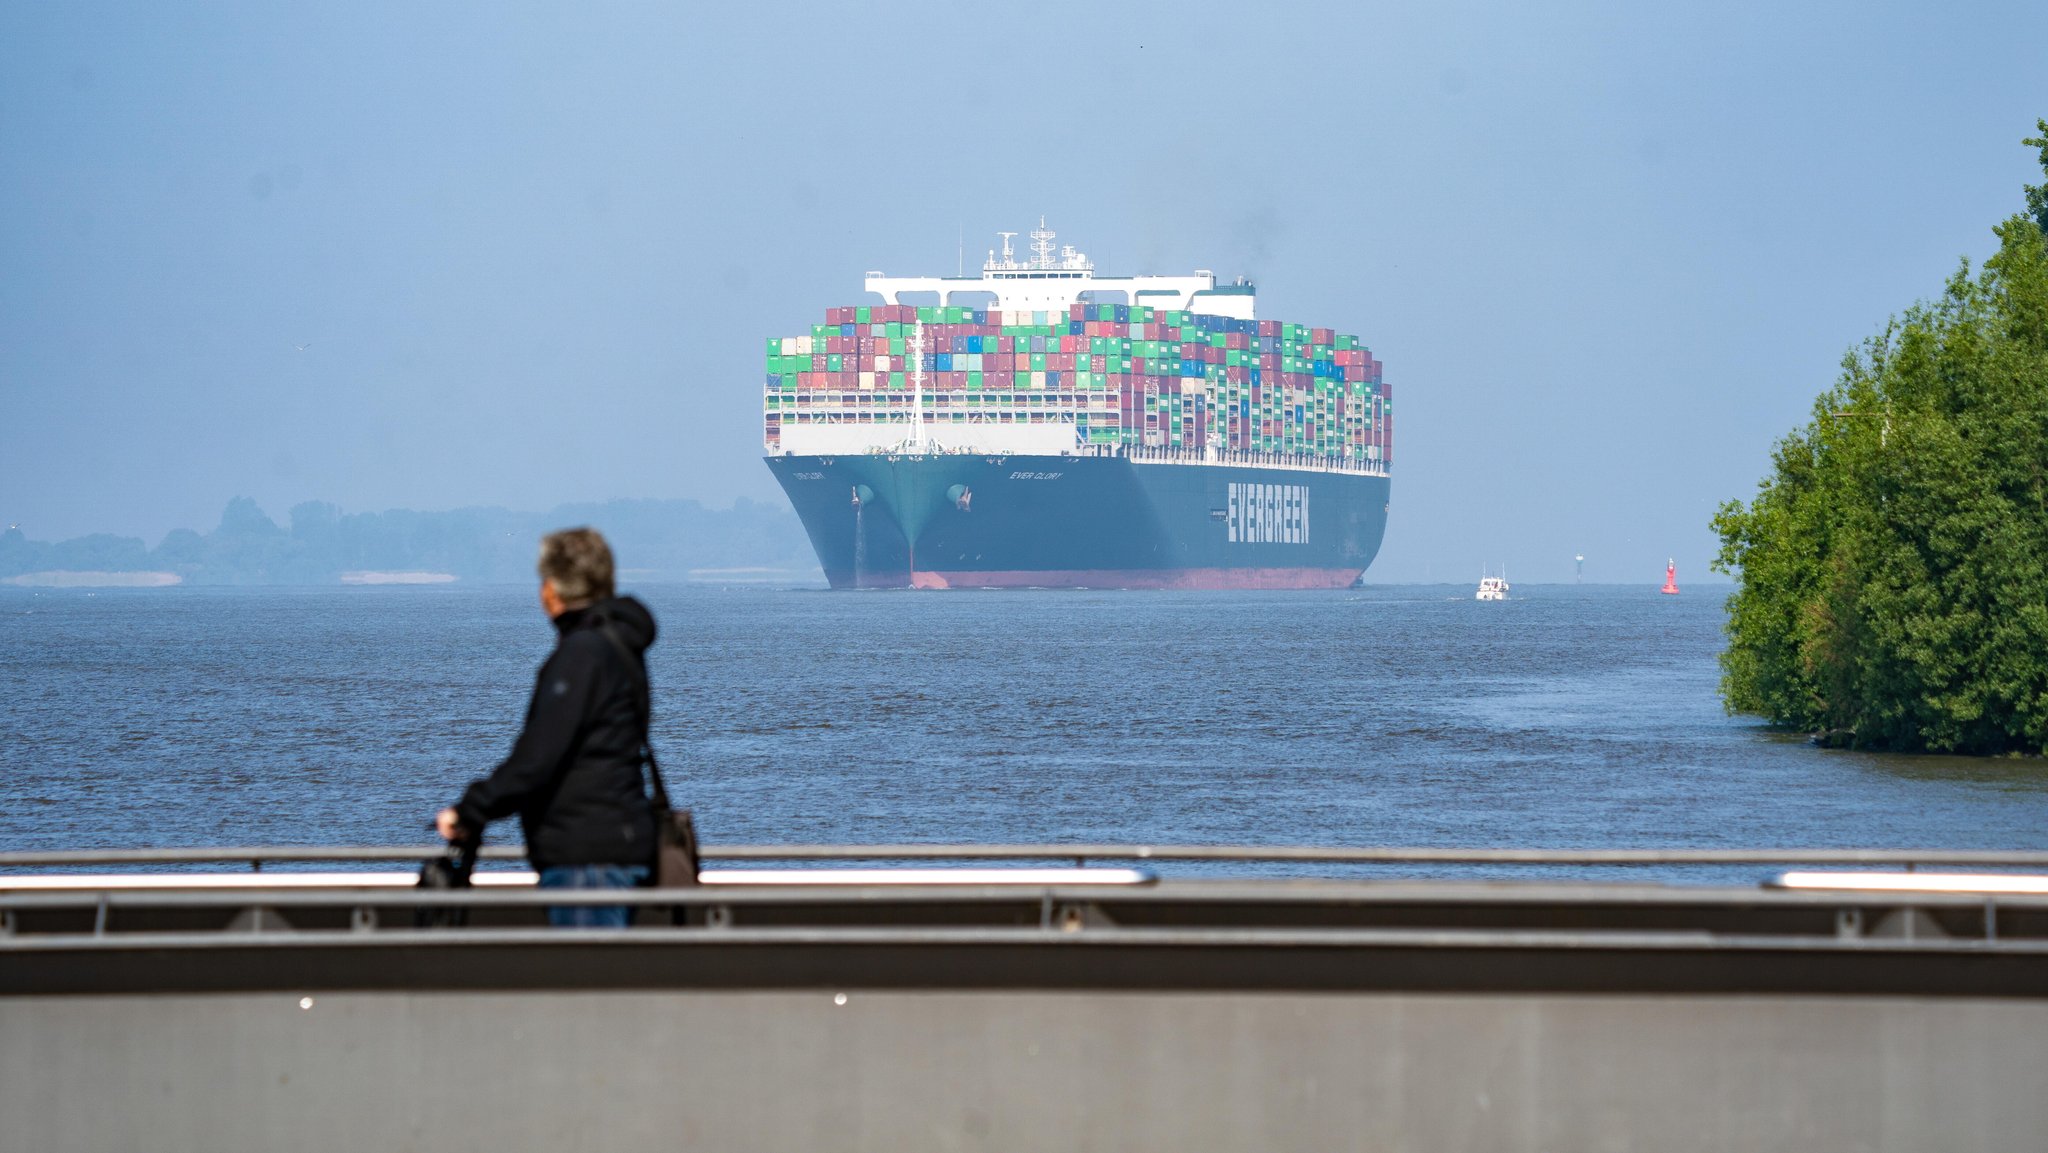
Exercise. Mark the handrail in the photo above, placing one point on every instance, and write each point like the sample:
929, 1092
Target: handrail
258, 856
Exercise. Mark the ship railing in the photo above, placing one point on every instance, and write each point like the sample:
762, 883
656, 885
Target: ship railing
1302, 462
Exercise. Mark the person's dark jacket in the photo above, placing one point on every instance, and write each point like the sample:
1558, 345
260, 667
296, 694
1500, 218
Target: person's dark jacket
574, 775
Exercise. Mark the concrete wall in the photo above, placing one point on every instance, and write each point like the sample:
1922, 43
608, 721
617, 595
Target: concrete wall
892, 1071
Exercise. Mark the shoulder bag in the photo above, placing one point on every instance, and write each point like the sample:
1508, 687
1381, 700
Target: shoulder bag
675, 837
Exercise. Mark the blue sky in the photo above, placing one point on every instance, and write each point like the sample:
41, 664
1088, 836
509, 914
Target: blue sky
1607, 252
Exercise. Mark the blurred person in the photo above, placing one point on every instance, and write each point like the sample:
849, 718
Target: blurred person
574, 774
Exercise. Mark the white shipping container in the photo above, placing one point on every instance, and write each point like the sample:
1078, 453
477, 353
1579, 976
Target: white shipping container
789, 346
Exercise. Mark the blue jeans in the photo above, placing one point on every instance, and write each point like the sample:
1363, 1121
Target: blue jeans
592, 877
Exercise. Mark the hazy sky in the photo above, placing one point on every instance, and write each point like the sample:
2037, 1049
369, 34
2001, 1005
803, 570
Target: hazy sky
1607, 252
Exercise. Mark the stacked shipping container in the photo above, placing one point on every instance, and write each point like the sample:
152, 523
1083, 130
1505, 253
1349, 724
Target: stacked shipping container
1123, 375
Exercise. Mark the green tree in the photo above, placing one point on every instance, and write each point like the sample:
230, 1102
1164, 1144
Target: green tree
1892, 571
2037, 194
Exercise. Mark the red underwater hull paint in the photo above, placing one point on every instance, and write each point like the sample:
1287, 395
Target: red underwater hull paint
1188, 578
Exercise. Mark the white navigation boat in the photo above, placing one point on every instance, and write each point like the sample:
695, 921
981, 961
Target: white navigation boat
1492, 588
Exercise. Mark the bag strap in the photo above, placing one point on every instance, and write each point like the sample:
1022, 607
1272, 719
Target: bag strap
644, 706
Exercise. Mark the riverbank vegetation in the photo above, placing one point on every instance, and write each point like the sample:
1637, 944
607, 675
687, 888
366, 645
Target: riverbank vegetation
1892, 570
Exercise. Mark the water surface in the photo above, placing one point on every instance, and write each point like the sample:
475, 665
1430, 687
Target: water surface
1566, 717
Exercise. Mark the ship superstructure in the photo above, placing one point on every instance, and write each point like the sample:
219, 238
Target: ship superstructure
1145, 430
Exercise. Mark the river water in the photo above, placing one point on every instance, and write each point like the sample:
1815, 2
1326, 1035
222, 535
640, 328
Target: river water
1394, 715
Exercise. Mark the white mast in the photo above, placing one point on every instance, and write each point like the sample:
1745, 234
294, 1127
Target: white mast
1041, 245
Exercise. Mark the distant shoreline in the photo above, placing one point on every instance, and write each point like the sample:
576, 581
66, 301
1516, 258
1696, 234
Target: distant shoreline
758, 578
84, 579
398, 578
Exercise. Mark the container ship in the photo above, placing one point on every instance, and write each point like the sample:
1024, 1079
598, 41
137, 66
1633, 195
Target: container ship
1042, 426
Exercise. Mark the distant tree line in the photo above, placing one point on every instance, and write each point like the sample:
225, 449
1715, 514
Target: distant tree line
656, 539
1892, 571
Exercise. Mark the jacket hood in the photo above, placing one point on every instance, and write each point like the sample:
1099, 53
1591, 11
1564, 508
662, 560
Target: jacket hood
627, 616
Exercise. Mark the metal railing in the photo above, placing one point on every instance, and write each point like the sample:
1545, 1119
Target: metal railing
258, 857
1443, 898
1294, 461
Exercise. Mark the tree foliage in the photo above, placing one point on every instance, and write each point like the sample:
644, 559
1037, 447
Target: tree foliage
1892, 571
2037, 194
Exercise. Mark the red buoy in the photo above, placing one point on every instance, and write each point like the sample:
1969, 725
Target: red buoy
1670, 588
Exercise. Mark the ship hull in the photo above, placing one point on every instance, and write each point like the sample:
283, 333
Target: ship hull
973, 521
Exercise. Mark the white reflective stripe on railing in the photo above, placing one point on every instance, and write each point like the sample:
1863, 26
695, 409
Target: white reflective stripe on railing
510, 878
1915, 882
74, 882
926, 877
